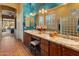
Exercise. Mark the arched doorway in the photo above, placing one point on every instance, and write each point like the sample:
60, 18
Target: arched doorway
8, 19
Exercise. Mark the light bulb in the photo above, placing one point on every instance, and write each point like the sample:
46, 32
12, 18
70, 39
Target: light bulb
42, 9
39, 11
42, 12
45, 11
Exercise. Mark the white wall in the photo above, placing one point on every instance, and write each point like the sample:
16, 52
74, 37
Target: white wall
19, 30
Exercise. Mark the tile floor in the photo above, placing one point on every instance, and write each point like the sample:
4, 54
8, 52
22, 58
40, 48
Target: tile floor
10, 46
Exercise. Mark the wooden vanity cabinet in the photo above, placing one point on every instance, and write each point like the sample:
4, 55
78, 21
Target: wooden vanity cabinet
49, 48
55, 49
27, 39
44, 47
69, 52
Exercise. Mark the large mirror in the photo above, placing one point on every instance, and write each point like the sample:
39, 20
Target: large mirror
66, 25
41, 20
51, 22
64, 21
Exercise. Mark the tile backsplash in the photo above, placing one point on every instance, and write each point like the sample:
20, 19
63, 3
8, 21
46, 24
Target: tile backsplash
69, 26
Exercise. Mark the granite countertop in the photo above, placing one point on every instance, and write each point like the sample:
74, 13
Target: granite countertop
57, 39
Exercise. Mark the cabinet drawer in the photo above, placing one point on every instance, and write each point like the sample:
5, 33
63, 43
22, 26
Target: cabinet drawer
35, 38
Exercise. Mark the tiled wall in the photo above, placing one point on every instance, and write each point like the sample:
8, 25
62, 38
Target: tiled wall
69, 26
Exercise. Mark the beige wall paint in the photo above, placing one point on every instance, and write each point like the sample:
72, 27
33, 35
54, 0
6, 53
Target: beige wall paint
14, 5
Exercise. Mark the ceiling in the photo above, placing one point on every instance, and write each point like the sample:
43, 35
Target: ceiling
35, 7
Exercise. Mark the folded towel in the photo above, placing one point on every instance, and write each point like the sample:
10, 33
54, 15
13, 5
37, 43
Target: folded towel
35, 42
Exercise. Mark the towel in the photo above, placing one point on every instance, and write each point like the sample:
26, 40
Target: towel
35, 42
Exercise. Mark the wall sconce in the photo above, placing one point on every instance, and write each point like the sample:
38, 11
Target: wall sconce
42, 11
32, 14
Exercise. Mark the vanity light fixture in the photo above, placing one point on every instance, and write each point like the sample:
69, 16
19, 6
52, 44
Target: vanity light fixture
42, 11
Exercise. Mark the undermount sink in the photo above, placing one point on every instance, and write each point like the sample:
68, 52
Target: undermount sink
69, 42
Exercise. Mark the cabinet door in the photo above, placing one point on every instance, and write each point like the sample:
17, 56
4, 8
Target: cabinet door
69, 52
44, 47
27, 39
44, 53
55, 49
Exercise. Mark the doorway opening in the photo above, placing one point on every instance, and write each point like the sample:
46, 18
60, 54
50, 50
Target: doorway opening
8, 20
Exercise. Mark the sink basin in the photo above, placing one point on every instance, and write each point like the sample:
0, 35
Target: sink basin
69, 41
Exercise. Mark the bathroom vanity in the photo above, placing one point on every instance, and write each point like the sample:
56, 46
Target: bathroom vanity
53, 46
